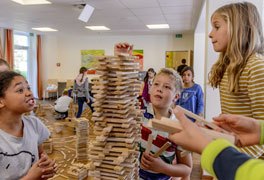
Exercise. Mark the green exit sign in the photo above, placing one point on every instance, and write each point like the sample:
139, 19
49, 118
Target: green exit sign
178, 35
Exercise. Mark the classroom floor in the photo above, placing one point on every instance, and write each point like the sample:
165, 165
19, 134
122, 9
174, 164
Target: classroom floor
64, 142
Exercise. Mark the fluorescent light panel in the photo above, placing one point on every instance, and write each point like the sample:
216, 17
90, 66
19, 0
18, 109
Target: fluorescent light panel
97, 28
45, 29
158, 26
31, 2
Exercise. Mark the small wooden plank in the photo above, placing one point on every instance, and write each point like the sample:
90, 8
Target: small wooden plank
163, 148
201, 119
149, 144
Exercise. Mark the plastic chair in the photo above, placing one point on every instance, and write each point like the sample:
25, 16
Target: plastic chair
51, 87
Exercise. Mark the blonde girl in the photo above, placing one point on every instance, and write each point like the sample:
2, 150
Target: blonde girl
239, 71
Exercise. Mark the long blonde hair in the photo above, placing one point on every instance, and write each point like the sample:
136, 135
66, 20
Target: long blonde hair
245, 39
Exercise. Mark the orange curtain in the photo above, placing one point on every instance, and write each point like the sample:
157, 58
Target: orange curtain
1, 49
9, 51
39, 78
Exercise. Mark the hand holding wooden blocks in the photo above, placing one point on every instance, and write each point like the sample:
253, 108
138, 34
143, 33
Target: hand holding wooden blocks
173, 126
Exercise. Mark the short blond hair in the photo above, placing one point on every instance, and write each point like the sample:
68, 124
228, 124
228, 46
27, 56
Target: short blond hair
65, 92
175, 76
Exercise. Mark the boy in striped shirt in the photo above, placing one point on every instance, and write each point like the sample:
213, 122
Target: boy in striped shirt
164, 91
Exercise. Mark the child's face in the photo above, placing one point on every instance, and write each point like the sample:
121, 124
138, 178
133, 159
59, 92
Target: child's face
18, 97
162, 91
219, 33
187, 77
151, 74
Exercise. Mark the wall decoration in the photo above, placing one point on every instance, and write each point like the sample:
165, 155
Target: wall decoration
140, 54
90, 59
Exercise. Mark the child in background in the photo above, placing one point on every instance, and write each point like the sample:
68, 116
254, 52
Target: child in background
180, 67
165, 89
62, 105
192, 95
147, 85
21, 137
239, 71
81, 89
4, 66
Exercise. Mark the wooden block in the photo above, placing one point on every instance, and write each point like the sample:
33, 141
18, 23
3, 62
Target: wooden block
149, 144
201, 119
163, 148
172, 126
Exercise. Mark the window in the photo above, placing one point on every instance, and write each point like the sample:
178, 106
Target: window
21, 52
25, 60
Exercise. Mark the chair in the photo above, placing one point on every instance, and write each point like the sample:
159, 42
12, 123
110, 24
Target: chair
51, 87
69, 83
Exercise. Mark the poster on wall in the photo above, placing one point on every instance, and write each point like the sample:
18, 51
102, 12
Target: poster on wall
169, 59
89, 59
140, 55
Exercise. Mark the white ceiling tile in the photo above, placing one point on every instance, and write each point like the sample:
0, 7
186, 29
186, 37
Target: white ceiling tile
124, 16
140, 3
153, 20
106, 4
177, 10
147, 11
178, 17
176, 2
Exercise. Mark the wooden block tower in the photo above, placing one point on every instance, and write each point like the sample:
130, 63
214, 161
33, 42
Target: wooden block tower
82, 128
113, 152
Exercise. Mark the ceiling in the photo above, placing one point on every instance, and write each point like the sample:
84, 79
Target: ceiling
123, 17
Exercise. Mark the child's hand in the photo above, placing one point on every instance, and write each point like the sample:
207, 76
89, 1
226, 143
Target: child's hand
247, 130
88, 100
123, 48
35, 172
149, 162
48, 166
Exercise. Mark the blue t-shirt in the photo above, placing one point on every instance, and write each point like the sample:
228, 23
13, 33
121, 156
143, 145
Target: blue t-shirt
192, 99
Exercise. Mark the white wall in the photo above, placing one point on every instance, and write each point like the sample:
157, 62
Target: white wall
66, 50
199, 49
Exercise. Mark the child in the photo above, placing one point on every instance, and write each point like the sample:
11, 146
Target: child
147, 85
219, 157
239, 71
4, 66
21, 153
180, 67
62, 105
81, 89
165, 89
192, 95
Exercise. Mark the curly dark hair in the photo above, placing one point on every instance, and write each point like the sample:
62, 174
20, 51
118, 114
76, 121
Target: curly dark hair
5, 80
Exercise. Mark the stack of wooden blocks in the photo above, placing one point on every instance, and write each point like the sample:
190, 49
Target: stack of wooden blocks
113, 152
82, 128
71, 111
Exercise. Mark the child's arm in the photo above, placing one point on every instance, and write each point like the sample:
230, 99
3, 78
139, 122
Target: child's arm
149, 162
200, 101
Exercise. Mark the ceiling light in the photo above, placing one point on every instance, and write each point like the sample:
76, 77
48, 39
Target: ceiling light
158, 26
45, 29
86, 13
97, 28
31, 2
